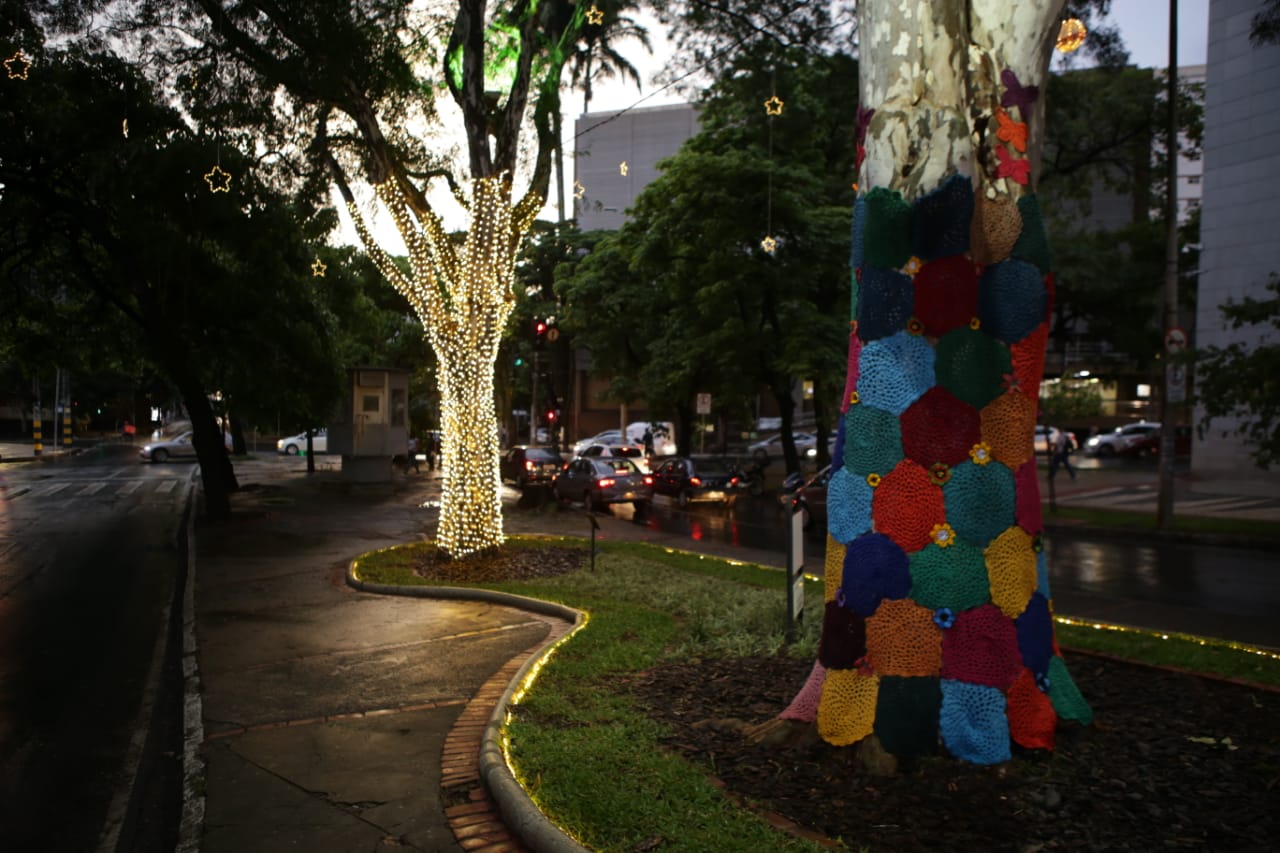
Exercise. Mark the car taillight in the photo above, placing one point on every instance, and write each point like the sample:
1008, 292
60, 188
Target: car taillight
648, 481
733, 481
528, 465
695, 481
604, 482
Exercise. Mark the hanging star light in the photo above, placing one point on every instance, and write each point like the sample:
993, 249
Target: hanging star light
578, 189
773, 106
17, 65
769, 244
124, 127
595, 16
622, 168
318, 268
1071, 35
219, 181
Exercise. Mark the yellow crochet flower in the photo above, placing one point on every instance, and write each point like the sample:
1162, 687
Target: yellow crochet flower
980, 453
873, 480
854, 399
943, 535
975, 323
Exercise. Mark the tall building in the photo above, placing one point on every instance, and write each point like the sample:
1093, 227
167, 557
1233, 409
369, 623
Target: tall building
616, 154
1238, 212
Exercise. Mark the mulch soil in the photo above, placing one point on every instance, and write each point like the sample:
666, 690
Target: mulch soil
1172, 761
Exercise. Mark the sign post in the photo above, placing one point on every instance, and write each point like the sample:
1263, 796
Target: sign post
795, 573
703, 409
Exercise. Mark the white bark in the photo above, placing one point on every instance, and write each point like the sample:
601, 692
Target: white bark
931, 71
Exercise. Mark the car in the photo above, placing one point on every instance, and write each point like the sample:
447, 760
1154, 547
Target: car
806, 445
181, 446
294, 444
1123, 440
689, 480
599, 482
618, 451
530, 465
663, 434
1149, 444
609, 436
811, 498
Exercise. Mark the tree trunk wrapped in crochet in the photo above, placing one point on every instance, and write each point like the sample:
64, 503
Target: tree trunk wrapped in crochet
937, 627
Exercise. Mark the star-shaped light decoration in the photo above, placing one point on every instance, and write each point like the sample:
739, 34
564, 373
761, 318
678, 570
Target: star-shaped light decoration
773, 106
124, 127
16, 66
1071, 35
594, 15
318, 268
218, 180
623, 168
578, 189
769, 244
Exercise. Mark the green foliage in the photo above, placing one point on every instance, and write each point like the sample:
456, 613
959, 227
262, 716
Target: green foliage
1070, 402
1241, 381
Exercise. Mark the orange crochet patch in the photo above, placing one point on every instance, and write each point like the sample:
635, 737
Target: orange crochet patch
1011, 571
1008, 428
902, 639
907, 505
847, 710
1028, 361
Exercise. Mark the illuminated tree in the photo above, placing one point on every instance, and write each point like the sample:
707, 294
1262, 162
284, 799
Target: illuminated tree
362, 78
937, 617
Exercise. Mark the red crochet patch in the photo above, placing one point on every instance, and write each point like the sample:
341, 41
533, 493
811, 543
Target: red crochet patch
1031, 718
982, 648
1028, 361
907, 505
946, 294
939, 427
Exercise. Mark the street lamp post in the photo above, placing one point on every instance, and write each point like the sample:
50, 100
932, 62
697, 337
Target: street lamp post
1168, 445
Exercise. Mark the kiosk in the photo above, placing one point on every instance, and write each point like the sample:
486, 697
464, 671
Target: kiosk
372, 423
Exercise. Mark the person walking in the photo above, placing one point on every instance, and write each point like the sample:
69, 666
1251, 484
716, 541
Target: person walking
411, 457
648, 442
1061, 455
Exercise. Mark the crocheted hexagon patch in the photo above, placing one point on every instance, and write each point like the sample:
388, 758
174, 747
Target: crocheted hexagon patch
972, 366
939, 427
972, 722
875, 568
895, 372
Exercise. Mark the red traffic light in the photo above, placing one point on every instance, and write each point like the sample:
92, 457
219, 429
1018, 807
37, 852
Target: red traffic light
541, 328
551, 415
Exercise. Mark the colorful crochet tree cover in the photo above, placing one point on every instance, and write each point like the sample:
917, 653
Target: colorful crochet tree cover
938, 625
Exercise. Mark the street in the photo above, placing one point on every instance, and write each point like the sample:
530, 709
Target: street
89, 554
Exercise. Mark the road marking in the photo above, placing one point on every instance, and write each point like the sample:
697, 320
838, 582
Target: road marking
129, 488
1119, 500
51, 490
91, 489
166, 487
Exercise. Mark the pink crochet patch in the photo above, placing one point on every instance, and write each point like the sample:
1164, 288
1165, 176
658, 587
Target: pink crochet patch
851, 379
804, 708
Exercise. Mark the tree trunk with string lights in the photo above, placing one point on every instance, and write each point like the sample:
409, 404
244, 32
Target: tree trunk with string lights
937, 627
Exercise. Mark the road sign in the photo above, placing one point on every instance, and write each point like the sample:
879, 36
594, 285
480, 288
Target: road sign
1176, 383
553, 334
1175, 340
704, 404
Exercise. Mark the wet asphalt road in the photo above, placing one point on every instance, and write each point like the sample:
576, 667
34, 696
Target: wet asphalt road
88, 555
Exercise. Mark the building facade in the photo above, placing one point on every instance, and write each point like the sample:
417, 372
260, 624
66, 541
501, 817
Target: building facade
1239, 210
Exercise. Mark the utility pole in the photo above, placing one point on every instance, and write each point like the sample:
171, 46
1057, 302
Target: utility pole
36, 435
1173, 381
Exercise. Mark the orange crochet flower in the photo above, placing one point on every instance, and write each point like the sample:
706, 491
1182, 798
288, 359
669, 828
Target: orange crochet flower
1012, 132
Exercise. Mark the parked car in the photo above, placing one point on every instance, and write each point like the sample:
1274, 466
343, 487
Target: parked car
688, 480
609, 436
618, 451
180, 446
1149, 444
811, 498
1127, 439
806, 445
599, 482
525, 465
294, 444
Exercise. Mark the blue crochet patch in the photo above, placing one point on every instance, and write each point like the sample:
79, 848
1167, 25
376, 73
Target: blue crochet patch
848, 506
1042, 575
885, 302
875, 568
894, 372
973, 722
940, 220
1012, 300
1035, 635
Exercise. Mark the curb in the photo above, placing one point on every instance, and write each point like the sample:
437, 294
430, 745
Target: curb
516, 809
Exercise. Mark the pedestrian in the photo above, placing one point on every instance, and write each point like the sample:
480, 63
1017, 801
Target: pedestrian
1061, 455
412, 456
648, 441
433, 449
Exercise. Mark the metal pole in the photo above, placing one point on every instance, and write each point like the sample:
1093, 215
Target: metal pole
1168, 414
66, 409
36, 434
533, 403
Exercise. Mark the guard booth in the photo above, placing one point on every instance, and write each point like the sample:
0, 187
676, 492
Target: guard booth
372, 423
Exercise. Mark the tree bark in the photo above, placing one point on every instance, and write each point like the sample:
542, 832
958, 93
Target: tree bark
937, 624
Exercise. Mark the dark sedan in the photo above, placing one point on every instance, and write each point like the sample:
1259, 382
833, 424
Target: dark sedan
811, 498
688, 480
599, 482
530, 465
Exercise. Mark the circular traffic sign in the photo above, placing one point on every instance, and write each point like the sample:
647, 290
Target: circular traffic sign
1175, 340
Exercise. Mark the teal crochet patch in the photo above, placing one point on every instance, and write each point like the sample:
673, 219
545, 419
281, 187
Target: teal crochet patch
872, 440
1033, 243
1065, 696
979, 501
972, 365
954, 577
888, 231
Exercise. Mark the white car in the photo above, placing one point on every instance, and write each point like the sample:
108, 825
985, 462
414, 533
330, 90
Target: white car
178, 447
609, 436
617, 451
295, 444
1124, 439
806, 445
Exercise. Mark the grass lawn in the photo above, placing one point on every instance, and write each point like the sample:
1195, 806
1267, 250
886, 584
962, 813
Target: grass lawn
575, 733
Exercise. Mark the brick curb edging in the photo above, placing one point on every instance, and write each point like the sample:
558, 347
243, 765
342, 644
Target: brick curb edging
498, 814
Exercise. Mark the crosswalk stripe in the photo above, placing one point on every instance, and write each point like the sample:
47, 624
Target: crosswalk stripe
50, 490
92, 489
166, 487
129, 487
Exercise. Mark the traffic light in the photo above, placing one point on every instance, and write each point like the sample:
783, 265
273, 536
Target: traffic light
551, 416
539, 334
